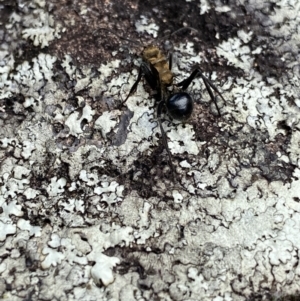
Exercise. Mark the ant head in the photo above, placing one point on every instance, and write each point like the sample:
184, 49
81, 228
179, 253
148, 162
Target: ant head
168, 46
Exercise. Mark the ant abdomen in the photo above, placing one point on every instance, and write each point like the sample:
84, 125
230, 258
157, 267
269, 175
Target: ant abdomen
180, 106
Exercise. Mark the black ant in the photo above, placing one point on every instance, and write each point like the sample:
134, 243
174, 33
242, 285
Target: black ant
157, 70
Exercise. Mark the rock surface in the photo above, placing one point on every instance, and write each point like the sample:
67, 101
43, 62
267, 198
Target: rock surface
88, 207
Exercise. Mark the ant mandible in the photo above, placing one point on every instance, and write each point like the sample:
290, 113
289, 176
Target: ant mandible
156, 69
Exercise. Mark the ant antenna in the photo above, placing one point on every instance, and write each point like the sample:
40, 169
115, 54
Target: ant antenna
169, 45
178, 31
183, 28
139, 43
120, 37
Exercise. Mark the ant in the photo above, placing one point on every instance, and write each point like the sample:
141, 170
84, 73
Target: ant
157, 70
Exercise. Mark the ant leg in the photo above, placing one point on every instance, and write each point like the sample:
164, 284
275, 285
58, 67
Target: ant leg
150, 78
164, 136
169, 49
208, 84
170, 60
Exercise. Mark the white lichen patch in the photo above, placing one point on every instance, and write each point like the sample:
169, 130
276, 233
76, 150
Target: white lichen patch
143, 25
110, 192
236, 53
107, 121
67, 64
56, 186
6, 229
102, 270
182, 140
186, 56
75, 119
25, 225
30, 78
41, 28
204, 7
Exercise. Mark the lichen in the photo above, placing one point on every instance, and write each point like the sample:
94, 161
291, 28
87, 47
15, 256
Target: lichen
89, 208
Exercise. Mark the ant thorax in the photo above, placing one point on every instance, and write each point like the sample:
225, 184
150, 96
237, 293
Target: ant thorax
155, 57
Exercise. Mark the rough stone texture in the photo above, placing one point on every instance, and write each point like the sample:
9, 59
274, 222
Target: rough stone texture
88, 207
